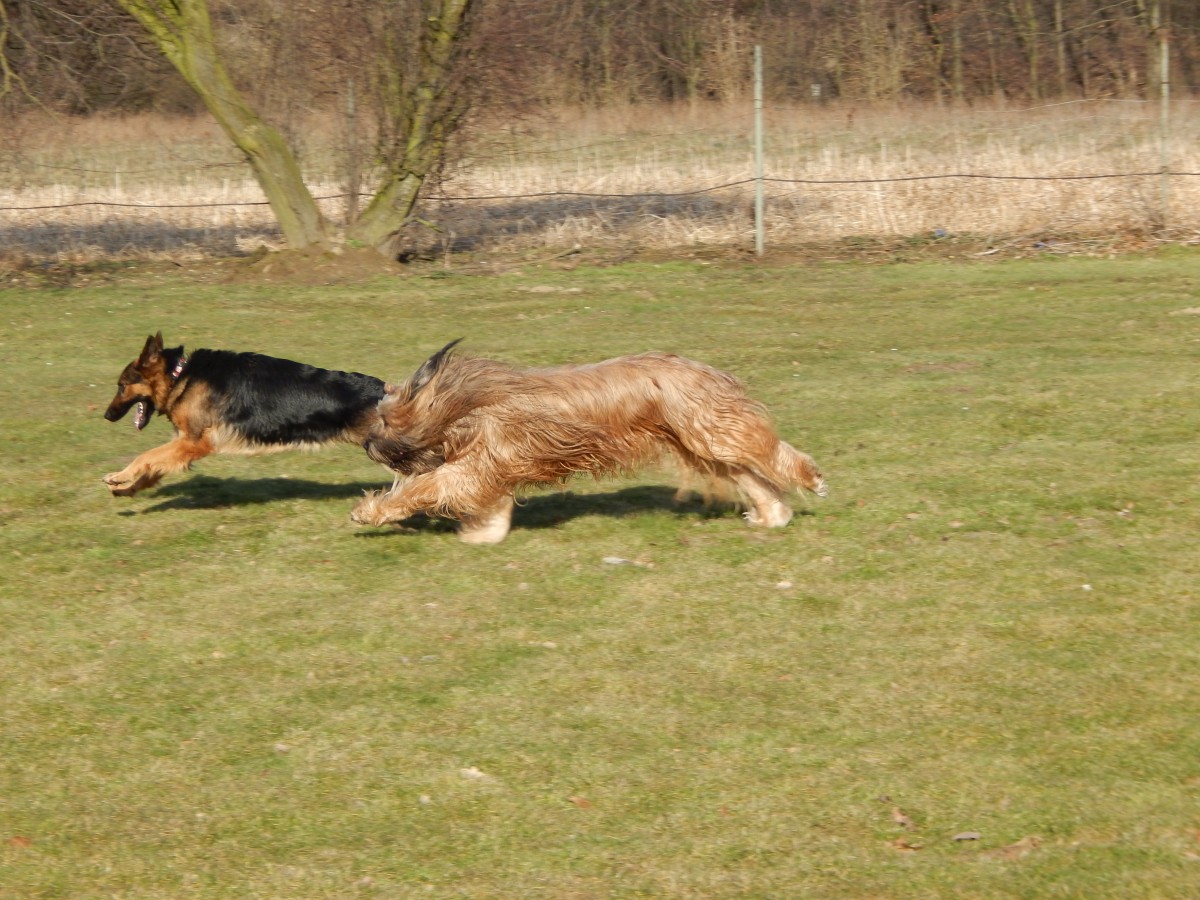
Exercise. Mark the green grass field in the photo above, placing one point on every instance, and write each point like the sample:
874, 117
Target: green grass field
223, 688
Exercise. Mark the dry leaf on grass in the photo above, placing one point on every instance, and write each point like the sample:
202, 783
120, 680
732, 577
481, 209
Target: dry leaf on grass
902, 820
904, 845
581, 802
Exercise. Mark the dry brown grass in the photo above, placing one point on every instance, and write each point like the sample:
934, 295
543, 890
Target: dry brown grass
647, 176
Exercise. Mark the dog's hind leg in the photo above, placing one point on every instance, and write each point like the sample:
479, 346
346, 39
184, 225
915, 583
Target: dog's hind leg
736, 435
150, 467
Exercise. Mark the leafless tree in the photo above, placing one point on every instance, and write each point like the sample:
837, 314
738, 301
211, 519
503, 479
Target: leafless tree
415, 57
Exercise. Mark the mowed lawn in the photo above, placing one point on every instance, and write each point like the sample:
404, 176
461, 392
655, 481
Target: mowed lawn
972, 671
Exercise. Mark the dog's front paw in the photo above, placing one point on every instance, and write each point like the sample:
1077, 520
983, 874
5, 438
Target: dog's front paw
772, 515
369, 510
120, 484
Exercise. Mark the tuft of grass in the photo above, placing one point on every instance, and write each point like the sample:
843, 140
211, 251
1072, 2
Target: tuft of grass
221, 688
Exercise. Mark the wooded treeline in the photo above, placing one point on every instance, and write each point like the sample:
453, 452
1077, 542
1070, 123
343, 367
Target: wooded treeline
87, 56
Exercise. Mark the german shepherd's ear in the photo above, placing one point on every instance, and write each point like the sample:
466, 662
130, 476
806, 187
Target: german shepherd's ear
429, 369
152, 350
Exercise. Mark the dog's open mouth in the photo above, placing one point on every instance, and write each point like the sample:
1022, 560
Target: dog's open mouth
141, 414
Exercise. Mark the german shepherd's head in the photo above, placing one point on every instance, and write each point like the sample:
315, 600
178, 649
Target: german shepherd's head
145, 384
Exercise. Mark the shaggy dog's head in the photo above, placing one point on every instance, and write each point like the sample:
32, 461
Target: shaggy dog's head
420, 418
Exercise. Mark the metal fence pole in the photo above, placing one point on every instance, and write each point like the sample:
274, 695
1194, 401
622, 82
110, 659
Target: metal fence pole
1164, 65
758, 150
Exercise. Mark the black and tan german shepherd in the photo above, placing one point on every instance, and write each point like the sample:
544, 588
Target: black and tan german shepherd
225, 402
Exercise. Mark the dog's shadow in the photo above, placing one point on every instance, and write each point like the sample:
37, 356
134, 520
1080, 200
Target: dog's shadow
539, 511
206, 492
550, 510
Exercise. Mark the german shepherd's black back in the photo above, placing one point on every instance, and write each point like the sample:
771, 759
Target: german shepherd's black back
225, 402
278, 401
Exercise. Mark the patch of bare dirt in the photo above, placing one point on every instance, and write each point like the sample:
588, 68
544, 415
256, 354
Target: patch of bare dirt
352, 265
313, 267
880, 250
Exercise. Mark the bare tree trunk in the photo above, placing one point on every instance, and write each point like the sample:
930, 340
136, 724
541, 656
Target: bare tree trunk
989, 34
1153, 20
420, 113
947, 72
182, 31
1060, 47
957, 89
426, 116
1023, 17
931, 20
8, 78
881, 51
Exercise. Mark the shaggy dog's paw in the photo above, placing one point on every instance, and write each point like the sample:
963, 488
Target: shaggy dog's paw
368, 511
774, 516
120, 484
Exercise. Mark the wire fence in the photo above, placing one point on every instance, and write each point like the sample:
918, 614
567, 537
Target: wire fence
945, 176
1026, 171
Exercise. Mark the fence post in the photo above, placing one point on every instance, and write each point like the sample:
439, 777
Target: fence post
758, 150
1164, 65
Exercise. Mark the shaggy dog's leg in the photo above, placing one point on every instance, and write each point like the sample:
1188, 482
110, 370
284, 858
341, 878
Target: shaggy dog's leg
489, 528
768, 509
150, 467
450, 490
406, 498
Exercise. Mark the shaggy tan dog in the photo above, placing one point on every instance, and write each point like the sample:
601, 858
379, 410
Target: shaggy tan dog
465, 435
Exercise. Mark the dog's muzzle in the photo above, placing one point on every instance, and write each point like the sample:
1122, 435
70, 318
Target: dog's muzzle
401, 456
375, 453
142, 410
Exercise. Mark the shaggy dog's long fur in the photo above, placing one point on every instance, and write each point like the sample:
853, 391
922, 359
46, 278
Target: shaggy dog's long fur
225, 402
465, 435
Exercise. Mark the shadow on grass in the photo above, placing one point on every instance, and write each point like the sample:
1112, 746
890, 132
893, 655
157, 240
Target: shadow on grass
206, 492
464, 225
547, 510
121, 234
554, 509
